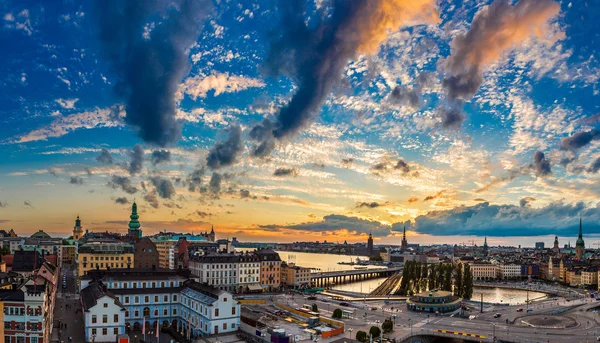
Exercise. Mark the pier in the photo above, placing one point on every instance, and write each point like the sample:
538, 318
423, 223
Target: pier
327, 279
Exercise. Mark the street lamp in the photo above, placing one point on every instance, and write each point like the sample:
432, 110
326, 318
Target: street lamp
410, 325
350, 331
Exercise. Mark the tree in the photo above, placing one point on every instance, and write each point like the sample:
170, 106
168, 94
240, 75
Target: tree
337, 313
375, 331
458, 281
361, 336
387, 326
376, 258
4, 251
432, 277
467, 283
447, 285
315, 308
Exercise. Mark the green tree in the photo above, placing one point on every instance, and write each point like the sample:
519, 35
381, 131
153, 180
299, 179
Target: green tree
432, 277
4, 251
458, 281
315, 308
376, 258
375, 331
387, 326
337, 313
447, 285
467, 283
361, 336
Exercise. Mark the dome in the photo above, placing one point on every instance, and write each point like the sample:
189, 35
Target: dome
40, 234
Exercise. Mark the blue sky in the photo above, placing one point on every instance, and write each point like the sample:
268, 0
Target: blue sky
327, 120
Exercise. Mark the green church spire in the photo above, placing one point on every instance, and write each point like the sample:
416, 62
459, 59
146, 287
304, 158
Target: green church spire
134, 224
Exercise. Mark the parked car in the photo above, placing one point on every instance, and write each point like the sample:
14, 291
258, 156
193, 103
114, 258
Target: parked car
520, 310
497, 315
312, 298
344, 304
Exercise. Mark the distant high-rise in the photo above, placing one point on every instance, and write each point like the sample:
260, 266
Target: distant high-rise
539, 245
404, 245
134, 231
370, 245
580, 244
77, 230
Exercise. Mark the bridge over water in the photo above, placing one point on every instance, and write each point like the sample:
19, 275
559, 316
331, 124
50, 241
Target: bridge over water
326, 279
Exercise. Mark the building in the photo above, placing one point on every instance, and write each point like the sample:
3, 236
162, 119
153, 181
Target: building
294, 276
509, 271
134, 232
485, 247
580, 244
370, 245
249, 273
539, 245
270, 269
162, 297
483, 270
104, 315
77, 229
104, 254
404, 244
589, 276
434, 302
146, 254
172, 246
68, 253
218, 270
556, 249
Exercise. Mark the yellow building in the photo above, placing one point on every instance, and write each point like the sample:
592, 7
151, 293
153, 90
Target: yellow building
294, 276
483, 271
77, 229
104, 255
589, 276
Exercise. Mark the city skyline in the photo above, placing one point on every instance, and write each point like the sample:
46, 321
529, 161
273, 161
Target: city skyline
326, 123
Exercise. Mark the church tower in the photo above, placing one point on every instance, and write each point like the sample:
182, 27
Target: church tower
211, 235
556, 249
485, 247
77, 230
134, 232
404, 245
580, 244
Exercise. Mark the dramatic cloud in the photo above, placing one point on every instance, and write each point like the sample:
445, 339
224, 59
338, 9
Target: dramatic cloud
122, 182
122, 201
150, 67
405, 95
525, 201
437, 195
509, 220
137, 160
495, 29
215, 183
412, 199
541, 164
594, 166
579, 140
369, 204
199, 86
334, 222
315, 56
285, 172
151, 199
451, 116
160, 156
226, 153
244, 193
76, 180
105, 157
163, 187
402, 166
194, 179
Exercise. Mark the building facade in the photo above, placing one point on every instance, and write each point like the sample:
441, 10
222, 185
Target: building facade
217, 270
146, 254
104, 254
483, 271
294, 276
270, 269
104, 315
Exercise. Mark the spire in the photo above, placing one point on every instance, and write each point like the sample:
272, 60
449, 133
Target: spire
404, 235
134, 223
485, 241
580, 227
212, 229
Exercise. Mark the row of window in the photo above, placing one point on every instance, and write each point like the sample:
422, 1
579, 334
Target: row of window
20, 339
136, 299
20, 311
104, 319
104, 331
154, 284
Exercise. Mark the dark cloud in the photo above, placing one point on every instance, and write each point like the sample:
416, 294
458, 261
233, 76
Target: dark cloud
435, 196
402, 166
203, 214
149, 69
28, 203
509, 220
451, 116
594, 167
122, 201
369, 204
137, 160
215, 183
541, 164
105, 157
245, 194
412, 199
194, 179
334, 222
314, 56
3, 204
122, 182
160, 156
579, 139
163, 187
226, 153
152, 200
411, 96
525, 201
480, 200
76, 180
285, 172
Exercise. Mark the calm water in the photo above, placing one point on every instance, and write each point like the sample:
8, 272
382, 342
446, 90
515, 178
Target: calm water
328, 262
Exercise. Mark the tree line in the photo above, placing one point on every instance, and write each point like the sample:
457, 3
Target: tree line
419, 276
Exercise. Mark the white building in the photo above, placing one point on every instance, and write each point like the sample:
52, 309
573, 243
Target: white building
509, 271
217, 269
249, 273
104, 315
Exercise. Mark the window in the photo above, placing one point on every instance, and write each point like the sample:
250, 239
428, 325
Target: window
127, 300
166, 298
116, 331
224, 299
94, 319
33, 339
126, 314
7, 325
224, 326
104, 318
174, 296
165, 312
105, 305
174, 311
216, 312
104, 331
137, 313
94, 332
233, 310
116, 318
146, 298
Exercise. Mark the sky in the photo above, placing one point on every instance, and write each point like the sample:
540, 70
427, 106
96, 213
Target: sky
303, 120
